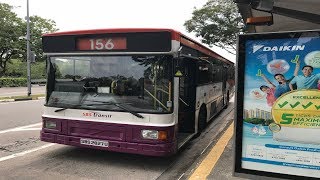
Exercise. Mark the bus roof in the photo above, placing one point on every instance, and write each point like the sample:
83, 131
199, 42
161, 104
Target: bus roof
115, 30
175, 35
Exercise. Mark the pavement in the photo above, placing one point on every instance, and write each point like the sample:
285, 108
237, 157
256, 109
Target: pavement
216, 161
8, 94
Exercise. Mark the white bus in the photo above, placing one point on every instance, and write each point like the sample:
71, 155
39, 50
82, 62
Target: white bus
143, 91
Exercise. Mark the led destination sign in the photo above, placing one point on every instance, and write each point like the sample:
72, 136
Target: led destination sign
102, 43
108, 42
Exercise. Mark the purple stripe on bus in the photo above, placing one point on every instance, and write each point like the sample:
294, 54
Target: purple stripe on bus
121, 137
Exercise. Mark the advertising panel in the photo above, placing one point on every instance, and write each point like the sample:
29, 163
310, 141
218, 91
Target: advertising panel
278, 105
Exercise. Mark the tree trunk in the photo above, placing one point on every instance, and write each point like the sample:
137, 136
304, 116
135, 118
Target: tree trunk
3, 63
1, 67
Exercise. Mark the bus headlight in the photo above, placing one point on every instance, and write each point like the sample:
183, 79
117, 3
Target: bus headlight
50, 124
154, 134
149, 134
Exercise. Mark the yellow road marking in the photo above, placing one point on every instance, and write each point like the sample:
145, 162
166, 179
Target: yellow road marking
211, 159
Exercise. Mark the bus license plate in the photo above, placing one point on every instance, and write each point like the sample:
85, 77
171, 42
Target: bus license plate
93, 142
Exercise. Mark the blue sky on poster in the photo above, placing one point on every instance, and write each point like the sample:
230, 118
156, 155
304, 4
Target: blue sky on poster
96, 14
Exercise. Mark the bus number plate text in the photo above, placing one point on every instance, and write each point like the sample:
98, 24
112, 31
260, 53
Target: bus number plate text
93, 142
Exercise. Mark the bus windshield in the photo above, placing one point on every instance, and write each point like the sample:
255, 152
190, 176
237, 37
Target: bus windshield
139, 83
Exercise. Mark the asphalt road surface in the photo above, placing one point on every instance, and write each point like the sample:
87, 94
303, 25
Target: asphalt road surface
20, 113
24, 156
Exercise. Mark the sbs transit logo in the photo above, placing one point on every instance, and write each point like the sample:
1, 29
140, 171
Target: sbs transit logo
255, 48
96, 114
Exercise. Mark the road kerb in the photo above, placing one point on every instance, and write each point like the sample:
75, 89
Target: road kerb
7, 100
208, 163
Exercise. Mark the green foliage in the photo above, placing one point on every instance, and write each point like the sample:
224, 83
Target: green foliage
38, 27
17, 73
38, 70
17, 68
12, 33
217, 23
13, 82
264, 122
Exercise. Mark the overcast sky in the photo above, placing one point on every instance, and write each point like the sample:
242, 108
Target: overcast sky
97, 14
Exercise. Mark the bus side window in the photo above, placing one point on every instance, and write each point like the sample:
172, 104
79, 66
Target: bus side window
218, 73
204, 74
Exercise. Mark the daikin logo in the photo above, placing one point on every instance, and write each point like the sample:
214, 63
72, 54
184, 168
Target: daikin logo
278, 48
256, 48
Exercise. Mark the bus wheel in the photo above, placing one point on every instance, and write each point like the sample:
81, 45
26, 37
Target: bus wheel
202, 119
227, 101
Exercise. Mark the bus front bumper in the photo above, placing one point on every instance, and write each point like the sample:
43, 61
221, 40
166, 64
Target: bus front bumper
165, 149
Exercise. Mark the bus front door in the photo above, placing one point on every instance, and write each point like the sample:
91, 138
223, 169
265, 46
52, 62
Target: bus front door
187, 96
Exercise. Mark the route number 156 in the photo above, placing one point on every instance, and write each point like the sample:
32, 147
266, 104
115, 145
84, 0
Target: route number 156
101, 44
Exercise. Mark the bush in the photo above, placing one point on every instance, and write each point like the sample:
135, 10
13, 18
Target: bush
13, 82
16, 74
38, 70
18, 68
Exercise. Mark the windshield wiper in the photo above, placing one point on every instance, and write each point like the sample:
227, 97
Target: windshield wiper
102, 103
116, 104
127, 110
62, 109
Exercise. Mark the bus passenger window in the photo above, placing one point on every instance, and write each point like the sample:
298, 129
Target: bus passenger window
204, 73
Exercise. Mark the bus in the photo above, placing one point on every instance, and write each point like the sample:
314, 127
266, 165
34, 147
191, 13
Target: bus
141, 91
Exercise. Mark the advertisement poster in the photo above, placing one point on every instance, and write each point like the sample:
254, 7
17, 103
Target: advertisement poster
281, 105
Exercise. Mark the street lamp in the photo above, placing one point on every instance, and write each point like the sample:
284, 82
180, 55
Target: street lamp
28, 52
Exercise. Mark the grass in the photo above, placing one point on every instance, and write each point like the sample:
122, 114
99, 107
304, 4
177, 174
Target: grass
35, 96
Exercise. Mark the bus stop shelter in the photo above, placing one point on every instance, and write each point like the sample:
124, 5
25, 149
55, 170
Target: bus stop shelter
288, 15
281, 35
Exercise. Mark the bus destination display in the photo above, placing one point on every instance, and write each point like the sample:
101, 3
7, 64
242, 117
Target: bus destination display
114, 43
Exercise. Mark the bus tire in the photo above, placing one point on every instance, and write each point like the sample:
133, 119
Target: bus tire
227, 101
202, 119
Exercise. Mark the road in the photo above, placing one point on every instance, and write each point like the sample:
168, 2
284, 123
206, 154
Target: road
24, 156
20, 113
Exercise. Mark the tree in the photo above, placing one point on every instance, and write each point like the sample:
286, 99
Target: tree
13, 33
10, 31
217, 23
38, 27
